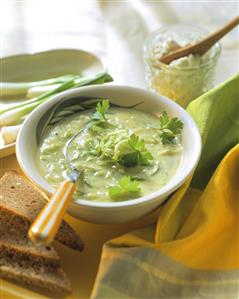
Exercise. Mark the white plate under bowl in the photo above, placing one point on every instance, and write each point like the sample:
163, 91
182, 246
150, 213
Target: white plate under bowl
43, 65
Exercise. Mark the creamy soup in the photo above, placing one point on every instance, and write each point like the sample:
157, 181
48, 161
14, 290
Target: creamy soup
120, 159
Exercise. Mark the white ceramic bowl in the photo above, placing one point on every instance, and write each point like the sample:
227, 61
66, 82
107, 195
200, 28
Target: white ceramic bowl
115, 212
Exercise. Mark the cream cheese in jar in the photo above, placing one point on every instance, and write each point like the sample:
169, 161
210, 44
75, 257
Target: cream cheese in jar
186, 78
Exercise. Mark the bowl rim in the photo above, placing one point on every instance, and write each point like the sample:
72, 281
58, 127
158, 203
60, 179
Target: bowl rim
161, 193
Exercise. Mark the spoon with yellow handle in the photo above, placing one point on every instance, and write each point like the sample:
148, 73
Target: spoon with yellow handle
46, 225
202, 46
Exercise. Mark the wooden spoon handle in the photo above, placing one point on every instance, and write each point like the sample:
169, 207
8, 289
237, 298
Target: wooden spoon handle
46, 225
203, 46
209, 41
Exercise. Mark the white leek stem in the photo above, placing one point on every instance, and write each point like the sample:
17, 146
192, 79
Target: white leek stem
9, 134
13, 88
14, 116
21, 88
35, 91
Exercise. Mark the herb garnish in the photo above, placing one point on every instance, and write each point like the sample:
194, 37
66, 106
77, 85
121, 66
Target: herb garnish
127, 150
124, 186
101, 109
170, 128
136, 154
98, 119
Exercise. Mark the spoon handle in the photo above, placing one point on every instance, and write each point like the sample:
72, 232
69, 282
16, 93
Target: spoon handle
209, 41
203, 46
45, 226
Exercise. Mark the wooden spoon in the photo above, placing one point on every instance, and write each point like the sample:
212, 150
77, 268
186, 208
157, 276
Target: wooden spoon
202, 46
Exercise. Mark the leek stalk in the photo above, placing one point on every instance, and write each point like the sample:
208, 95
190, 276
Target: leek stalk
21, 88
14, 115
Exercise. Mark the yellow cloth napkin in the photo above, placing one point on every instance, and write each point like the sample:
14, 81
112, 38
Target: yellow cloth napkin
193, 251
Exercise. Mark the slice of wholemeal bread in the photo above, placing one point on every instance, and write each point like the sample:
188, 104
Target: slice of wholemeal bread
20, 267
21, 260
54, 282
21, 243
20, 253
23, 202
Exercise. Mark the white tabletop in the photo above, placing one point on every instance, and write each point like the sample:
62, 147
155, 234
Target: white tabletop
113, 30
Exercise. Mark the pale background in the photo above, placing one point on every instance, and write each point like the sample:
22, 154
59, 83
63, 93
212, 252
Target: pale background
115, 31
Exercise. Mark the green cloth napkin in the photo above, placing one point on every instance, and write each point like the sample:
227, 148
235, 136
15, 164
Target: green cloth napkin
217, 116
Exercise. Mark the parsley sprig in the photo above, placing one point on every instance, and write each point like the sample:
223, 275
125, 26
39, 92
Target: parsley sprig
124, 187
101, 109
98, 118
169, 128
120, 147
136, 154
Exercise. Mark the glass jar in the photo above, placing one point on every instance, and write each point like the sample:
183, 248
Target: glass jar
186, 78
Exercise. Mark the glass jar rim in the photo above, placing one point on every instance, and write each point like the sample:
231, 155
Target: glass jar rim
216, 47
